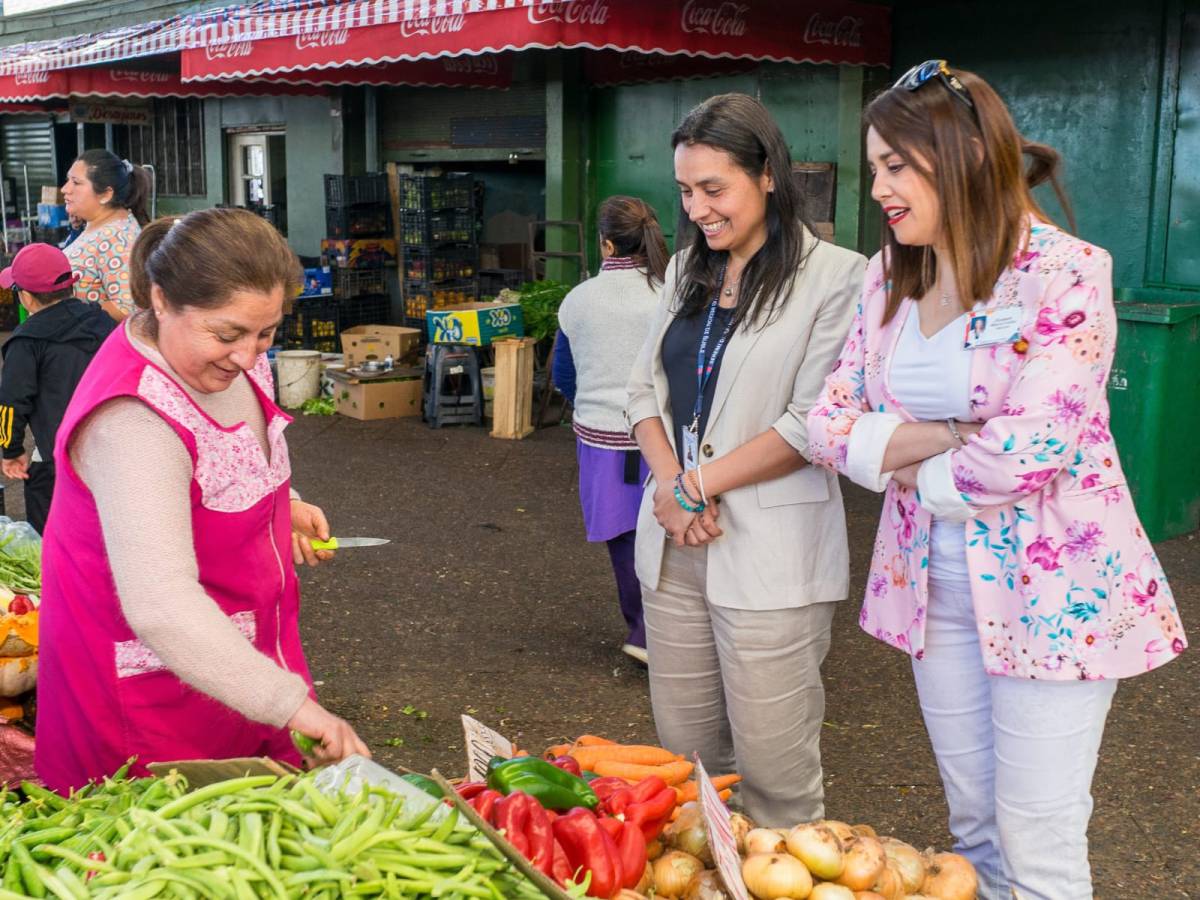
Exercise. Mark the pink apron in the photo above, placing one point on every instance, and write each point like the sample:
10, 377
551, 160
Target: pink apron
103, 696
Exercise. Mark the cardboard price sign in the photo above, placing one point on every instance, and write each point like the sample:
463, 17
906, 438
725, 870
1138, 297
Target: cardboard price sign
482, 744
720, 835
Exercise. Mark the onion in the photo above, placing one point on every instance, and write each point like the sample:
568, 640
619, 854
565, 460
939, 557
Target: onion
908, 862
654, 850
706, 886
672, 872
841, 829
863, 830
863, 861
688, 833
827, 890
818, 848
627, 894
950, 877
889, 883
764, 840
869, 895
776, 876
647, 880
741, 826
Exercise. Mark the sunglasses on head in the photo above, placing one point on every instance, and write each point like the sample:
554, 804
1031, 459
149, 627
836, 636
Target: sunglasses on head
925, 72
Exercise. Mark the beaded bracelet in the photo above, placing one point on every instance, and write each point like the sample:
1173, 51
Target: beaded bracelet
682, 498
681, 483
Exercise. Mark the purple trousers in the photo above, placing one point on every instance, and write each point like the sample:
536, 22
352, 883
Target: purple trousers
629, 589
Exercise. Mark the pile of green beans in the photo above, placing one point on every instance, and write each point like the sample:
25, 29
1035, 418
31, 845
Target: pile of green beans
245, 838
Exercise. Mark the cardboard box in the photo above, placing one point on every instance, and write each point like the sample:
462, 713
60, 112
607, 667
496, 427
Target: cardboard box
377, 398
52, 195
358, 253
318, 281
476, 324
364, 342
203, 772
51, 215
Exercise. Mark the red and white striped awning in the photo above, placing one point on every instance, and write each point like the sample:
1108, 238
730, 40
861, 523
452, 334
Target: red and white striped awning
820, 31
262, 20
130, 82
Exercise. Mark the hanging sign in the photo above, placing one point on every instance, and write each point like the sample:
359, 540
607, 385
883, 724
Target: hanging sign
110, 113
482, 744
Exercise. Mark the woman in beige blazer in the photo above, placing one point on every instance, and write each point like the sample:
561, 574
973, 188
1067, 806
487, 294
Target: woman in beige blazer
741, 545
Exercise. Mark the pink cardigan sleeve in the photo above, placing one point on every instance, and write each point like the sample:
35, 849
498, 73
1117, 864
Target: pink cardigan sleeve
1061, 382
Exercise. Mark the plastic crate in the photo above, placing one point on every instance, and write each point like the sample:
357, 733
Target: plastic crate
431, 192
368, 309
363, 220
422, 296
352, 282
346, 190
314, 324
431, 228
443, 264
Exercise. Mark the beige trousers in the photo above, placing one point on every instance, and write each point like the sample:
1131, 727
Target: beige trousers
741, 687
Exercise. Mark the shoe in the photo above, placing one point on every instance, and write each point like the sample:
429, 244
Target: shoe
638, 653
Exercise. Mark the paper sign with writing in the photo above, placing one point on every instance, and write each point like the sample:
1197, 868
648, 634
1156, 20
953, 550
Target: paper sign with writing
482, 744
720, 835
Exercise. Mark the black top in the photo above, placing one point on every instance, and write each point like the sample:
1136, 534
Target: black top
43, 362
679, 347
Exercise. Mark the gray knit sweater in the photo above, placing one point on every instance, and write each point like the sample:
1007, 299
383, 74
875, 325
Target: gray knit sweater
606, 320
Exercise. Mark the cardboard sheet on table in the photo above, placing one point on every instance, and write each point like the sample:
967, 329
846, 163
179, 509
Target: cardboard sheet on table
201, 772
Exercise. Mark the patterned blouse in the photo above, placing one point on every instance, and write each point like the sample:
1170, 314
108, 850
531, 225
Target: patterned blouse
101, 257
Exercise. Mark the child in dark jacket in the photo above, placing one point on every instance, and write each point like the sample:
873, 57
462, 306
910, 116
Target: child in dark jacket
43, 362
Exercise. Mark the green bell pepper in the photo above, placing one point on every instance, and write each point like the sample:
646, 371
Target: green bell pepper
428, 785
552, 787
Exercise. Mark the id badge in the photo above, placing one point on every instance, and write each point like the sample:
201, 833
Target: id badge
989, 327
691, 449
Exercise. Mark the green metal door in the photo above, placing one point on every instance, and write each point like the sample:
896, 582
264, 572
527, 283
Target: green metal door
1183, 231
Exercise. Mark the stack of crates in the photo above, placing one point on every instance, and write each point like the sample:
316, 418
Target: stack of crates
440, 249
358, 219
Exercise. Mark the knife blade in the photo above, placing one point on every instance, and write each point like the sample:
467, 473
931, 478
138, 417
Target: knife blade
336, 543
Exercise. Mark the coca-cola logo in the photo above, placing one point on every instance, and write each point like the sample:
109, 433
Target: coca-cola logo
228, 51
432, 25
576, 12
720, 19
32, 77
308, 40
140, 77
843, 32
471, 65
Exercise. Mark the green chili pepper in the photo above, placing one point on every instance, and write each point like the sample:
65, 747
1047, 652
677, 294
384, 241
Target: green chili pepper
551, 786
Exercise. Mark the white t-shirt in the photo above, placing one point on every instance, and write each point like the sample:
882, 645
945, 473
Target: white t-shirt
931, 377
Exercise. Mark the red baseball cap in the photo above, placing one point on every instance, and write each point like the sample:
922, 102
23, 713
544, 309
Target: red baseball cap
39, 269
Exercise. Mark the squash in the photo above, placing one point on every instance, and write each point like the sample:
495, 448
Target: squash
19, 634
18, 674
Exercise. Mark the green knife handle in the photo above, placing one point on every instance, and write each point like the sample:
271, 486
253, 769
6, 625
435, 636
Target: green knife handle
330, 544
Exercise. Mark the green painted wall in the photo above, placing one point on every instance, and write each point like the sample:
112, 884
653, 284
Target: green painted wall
817, 108
1081, 75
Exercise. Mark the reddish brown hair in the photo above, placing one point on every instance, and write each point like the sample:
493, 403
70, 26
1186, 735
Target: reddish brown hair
985, 199
203, 258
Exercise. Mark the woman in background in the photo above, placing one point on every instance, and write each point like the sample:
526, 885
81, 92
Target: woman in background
602, 326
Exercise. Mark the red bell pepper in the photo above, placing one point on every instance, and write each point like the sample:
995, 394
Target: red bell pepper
484, 803
561, 870
540, 831
648, 805
589, 847
471, 789
512, 817
606, 787
631, 848
569, 763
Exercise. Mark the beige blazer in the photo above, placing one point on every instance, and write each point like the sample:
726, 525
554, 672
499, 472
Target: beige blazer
784, 544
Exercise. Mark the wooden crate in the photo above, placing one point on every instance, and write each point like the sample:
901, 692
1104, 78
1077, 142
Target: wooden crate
512, 417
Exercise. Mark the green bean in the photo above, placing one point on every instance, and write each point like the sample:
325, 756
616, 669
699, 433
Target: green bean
232, 786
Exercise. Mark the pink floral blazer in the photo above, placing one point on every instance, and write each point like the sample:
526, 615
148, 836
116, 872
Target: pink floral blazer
1065, 583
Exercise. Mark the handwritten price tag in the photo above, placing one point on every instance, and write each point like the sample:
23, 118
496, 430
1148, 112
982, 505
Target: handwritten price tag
482, 744
720, 835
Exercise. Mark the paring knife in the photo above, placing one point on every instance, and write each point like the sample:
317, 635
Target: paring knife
336, 543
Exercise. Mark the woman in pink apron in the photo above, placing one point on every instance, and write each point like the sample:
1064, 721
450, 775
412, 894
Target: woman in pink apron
170, 603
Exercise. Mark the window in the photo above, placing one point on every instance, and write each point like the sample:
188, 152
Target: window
173, 143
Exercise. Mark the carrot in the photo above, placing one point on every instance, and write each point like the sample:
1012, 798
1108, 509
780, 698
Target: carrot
725, 795
690, 790
672, 773
556, 750
591, 740
642, 755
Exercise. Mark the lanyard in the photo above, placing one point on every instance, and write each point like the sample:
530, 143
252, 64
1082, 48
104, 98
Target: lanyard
704, 366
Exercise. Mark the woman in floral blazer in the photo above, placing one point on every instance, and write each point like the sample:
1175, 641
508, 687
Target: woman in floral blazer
1009, 562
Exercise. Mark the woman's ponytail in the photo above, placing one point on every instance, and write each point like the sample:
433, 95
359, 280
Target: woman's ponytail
1044, 165
632, 226
137, 198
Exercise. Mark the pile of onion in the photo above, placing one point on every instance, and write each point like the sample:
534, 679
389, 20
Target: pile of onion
776, 876
689, 834
673, 872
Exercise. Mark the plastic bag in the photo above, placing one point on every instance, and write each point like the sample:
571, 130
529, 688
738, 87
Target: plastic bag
20, 557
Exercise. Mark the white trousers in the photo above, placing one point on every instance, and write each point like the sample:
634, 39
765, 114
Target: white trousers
740, 687
1016, 757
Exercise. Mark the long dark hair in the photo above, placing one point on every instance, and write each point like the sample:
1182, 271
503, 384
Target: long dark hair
130, 184
741, 126
203, 258
632, 225
985, 202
